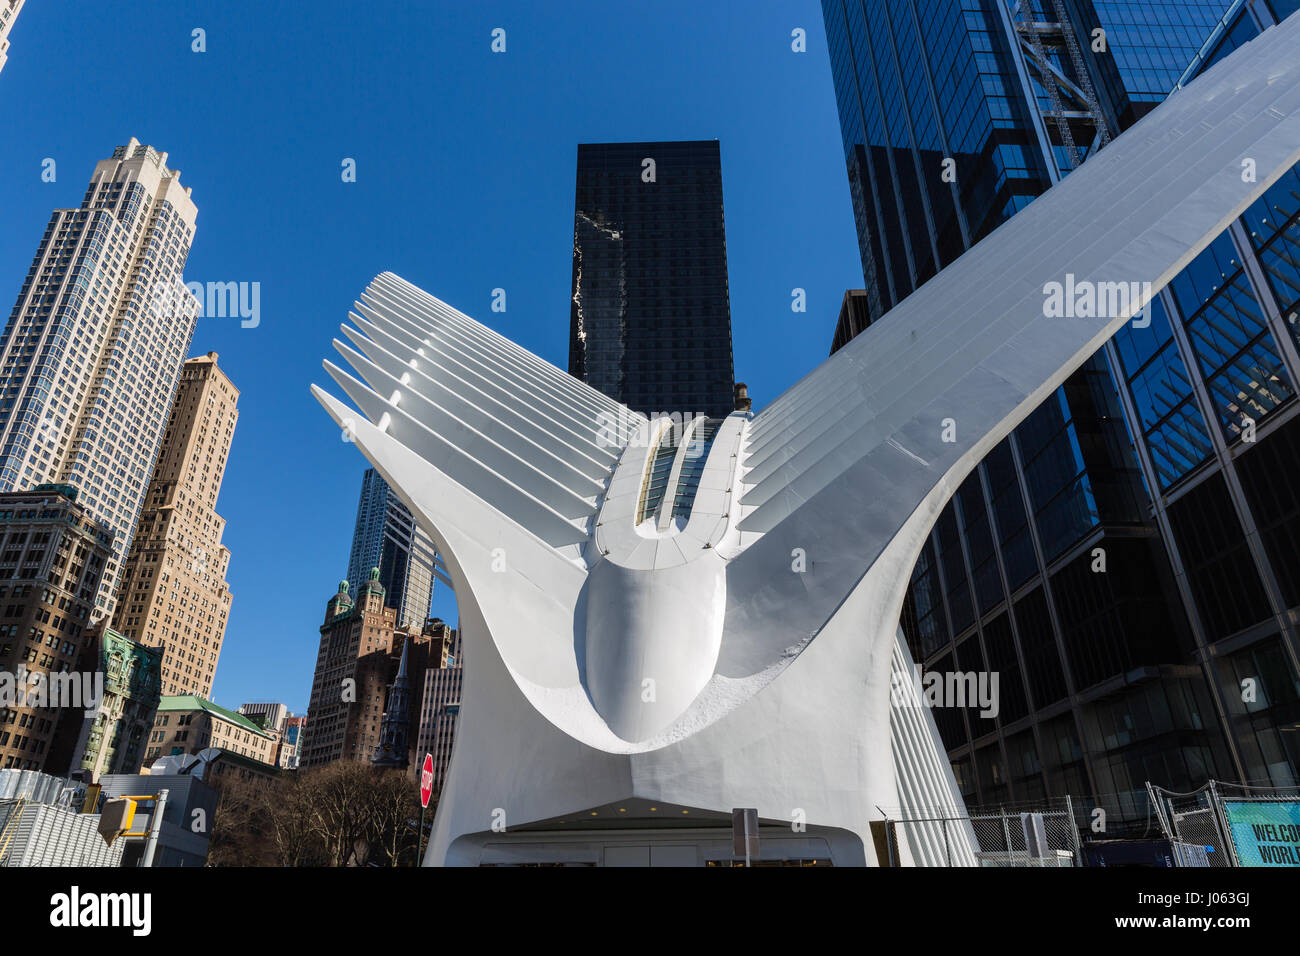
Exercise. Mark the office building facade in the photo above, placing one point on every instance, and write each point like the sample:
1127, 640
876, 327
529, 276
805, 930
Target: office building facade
388, 538
650, 316
174, 591
91, 355
1125, 558
957, 113
53, 553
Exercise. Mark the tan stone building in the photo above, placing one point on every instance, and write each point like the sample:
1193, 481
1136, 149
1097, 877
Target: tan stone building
52, 557
174, 591
187, 724
360, 649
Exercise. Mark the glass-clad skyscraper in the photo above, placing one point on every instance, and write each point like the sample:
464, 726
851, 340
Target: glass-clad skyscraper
650, 317
388, 537
1127, 557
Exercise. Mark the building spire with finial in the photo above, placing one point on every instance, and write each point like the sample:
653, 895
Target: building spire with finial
394, 729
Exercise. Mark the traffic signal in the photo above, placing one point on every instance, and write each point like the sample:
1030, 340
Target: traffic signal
115, 820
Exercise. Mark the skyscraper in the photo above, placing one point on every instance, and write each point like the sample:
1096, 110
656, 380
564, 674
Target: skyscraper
361, 649
1124, 558
174, 592
9, 10
52, 555
90, 357
388, 538
956, 114
650, 317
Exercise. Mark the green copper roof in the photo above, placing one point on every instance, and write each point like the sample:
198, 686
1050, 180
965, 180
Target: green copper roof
194, 702
68, 491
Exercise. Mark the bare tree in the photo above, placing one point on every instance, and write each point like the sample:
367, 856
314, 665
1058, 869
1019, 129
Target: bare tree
288, 823
342, 814
395, 809
237, 827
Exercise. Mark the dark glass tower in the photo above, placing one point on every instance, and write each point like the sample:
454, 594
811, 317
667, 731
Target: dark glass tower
956, 113
387, 536
650, 318
1161, 456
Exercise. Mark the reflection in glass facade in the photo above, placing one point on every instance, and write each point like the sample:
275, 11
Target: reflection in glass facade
1169, 457
1150, 44
911, 97
1238, 357
1161, 389
1273, 224
386, 536
650, 317
1266, 724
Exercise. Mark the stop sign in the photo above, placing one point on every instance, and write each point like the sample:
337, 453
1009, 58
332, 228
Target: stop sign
426, 780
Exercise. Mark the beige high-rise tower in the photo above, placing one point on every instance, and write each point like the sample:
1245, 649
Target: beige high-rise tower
174, 591
90, 356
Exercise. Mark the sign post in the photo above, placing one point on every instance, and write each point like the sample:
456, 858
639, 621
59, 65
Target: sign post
426, 791
744, 833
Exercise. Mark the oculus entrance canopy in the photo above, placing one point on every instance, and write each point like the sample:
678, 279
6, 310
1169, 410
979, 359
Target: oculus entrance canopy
704, 615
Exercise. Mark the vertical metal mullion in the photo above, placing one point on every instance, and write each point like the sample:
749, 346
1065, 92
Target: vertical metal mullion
952, 641
889, 156
995, 533
964, 544
911, 133
928, 71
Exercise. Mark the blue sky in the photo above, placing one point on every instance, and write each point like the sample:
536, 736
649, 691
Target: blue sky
465, 175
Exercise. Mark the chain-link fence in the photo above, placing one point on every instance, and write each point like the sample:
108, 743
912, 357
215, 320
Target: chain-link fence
1029, 836
1217, 825
1234, 824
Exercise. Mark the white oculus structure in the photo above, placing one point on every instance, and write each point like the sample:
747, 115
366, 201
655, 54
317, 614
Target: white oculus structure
658, 632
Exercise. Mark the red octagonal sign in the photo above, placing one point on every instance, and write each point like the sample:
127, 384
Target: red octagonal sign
426, 780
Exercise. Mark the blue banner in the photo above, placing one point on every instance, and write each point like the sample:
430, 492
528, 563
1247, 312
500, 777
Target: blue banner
1265, 832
